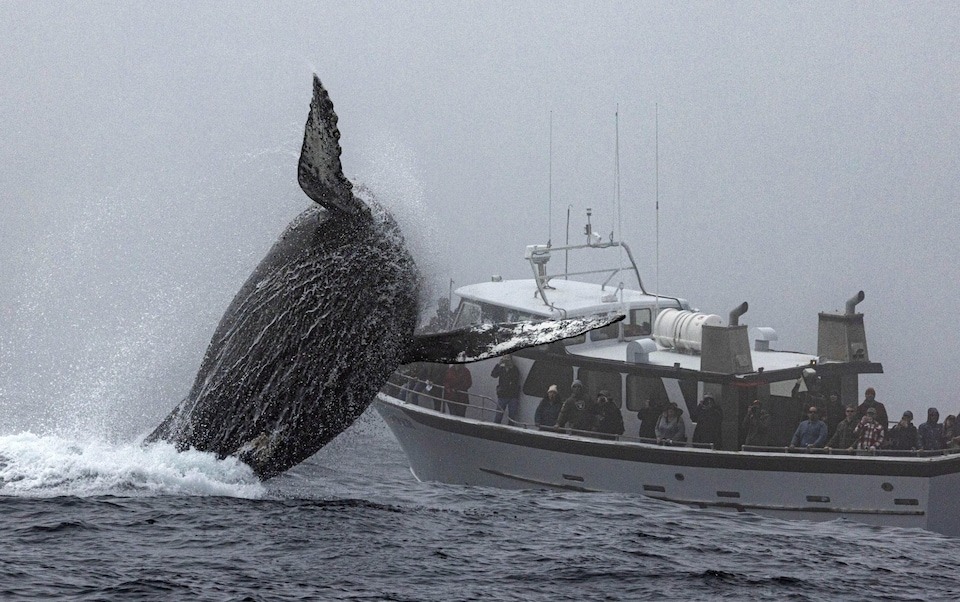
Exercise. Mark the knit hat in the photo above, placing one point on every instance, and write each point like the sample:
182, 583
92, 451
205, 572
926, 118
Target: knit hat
552, 389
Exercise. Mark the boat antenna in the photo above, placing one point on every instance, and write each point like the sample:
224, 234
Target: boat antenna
656, 285
566, 252
617, 201
550, 188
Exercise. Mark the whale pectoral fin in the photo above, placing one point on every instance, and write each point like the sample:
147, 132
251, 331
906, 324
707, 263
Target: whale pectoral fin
320, 172
483, 341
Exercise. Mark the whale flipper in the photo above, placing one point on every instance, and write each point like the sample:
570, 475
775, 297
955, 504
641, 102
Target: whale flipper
484, 341
320, 172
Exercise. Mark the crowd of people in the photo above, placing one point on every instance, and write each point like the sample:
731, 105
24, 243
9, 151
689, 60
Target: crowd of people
866, 427
860, 427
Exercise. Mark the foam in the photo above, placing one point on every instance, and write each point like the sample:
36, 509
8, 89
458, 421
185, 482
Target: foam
49, 466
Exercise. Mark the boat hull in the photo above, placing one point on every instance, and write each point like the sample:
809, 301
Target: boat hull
895, 491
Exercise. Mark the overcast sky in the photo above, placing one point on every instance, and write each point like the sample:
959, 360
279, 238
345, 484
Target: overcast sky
148, 160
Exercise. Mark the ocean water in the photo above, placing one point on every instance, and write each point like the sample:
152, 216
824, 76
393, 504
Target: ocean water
87, 520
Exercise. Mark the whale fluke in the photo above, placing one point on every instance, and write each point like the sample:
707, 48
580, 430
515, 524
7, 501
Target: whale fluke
320, 172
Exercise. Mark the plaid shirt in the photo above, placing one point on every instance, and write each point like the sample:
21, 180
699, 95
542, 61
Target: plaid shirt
869, 435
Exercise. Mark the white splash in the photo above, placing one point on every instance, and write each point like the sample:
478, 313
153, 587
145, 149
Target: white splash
50, 466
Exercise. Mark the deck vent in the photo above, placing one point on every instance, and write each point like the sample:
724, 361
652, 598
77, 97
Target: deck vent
906, 502
496, 278
765, 334
573, 477
657, 488
638, 352
823, 499
728, 494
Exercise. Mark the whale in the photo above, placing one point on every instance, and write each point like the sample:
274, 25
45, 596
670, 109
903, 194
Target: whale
322, 322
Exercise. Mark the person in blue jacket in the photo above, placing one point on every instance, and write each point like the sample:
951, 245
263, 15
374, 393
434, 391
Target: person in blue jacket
812, 432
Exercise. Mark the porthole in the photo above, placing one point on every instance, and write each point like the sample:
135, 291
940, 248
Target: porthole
887, 487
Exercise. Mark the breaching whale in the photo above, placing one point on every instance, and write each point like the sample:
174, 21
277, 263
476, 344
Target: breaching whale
320, 325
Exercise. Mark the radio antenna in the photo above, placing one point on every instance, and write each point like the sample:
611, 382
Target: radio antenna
550, 188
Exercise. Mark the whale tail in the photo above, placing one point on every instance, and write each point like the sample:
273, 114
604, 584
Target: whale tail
483, 341
320, 172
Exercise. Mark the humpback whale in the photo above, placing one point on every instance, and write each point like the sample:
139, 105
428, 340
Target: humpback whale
321, 323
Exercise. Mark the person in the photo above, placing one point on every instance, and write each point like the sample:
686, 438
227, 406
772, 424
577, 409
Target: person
670, 426
756, 424
903, 435
843, 436
812, 432
869, 433
949, 432
870, 401
508, 388
835, 412
549, 409
434, 374
709, 419
930, 433
609, 419
576, 411
649, 416
456, 382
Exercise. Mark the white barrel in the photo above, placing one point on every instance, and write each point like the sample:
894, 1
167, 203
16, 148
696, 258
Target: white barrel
682, 329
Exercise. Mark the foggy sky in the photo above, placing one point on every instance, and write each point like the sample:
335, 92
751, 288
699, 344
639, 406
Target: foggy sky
806, 151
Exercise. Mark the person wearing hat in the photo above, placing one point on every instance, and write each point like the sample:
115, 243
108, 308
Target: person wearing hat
903, 435
843, 437
870, 401
868, 432
930, 433
508, 389
456, 382
549, 409
670, 426
756, 425
576, 411
709, 419
609, 418
812, 432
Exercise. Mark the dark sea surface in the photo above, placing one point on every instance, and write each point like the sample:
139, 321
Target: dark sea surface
87, 520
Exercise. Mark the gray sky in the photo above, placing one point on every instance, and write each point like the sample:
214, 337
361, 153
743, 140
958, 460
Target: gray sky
807, 151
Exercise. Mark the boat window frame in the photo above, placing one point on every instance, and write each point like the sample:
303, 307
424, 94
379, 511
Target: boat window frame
661, 392
474, 306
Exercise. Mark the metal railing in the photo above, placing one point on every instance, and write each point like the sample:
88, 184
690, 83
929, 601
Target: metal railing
834, 451
405, 389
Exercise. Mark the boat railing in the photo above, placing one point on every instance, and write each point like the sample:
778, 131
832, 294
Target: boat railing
828, 451
411, 390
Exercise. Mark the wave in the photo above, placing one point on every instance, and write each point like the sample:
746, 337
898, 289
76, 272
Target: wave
50, 466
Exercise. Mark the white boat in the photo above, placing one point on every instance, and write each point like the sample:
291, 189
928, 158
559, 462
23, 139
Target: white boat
682, 357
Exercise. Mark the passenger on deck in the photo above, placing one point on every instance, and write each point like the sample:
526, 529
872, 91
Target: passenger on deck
709, 419
434, 374
843, 437
549, 410
508, 388
903, 435
576, 411
756, 424
670, 427
812, 432
869, 432
835, 412
950, 432
609, 418
456, 382
869, 401
649, 416
930, 433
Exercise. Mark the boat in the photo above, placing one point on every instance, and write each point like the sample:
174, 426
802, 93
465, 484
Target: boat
664, 351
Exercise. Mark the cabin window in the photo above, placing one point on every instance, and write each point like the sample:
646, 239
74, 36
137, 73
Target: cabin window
637, 323
468, 314
642, 389
611, 331
595, 381
575, 340
544, 373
